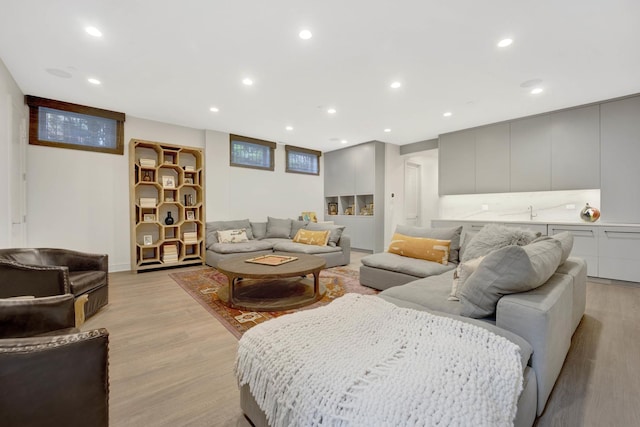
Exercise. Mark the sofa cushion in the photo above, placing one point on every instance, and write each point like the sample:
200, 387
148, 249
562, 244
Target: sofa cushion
402, 264
84, 281
452, 234
420, 247
295, 226
566, 240
336, 231
460, 276
466, 239
509, 270
214, 226
277, 227
308, 237
496, 236
259, 229
232, 236
289, 246
250, 246
430, 292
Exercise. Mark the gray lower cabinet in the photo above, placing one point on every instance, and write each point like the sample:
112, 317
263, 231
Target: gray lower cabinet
619, 253
530, 166
585, 243
620, 153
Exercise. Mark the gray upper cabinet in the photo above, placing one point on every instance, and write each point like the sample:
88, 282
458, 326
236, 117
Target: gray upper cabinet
575, 149
531, 154
619, 154
457, 163
339, 174
364, 158
492, 159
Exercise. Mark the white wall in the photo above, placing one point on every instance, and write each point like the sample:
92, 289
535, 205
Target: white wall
238, 193
11, 115
80, 200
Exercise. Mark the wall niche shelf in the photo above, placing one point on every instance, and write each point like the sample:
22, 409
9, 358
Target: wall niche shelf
166, 178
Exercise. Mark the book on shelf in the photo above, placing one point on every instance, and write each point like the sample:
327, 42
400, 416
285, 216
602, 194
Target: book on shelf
148, 202
190, 237
148, 163
189, 168
170, 253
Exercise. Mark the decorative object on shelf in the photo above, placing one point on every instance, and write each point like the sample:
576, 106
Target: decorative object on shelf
169, 219
169, 199
147, 239
309, 216
188, 200
168, 181
149, 218
348, 211
333, 208
147, 176
589, 213
191, 216
188, 180
168, 159
148, 202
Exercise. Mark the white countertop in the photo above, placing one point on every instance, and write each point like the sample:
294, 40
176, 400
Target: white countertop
524, 221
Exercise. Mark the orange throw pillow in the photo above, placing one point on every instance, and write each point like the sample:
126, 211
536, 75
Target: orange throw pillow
421, 248
308, 237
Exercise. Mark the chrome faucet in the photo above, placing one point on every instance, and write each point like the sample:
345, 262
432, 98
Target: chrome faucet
531, 214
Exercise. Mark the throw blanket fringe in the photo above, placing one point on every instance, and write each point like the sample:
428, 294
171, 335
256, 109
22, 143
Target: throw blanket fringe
361, 361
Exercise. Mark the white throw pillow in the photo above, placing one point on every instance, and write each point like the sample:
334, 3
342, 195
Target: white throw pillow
462, 273
232, 236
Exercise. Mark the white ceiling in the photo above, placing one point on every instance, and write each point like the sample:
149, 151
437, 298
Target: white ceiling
170, 61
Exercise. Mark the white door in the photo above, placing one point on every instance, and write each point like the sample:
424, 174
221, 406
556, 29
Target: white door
412, 202
17, 172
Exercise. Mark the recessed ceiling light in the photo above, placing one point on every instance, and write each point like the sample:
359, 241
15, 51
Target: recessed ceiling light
289, 128
448, 114
93, 81
331, 111
504, 42
396, 85
214, 109
344, 141
305, 34
536, 91
93, 31
387, 130
247, 81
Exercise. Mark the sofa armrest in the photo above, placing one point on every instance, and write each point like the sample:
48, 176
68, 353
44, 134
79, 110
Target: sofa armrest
34, 316
36, 280
345, 244
543, 317
64, 376
74, 260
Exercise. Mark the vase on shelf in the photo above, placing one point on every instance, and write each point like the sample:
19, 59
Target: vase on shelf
169, 219
589, 213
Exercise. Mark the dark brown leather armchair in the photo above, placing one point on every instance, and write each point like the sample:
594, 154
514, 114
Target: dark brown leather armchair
51, 374
45, 272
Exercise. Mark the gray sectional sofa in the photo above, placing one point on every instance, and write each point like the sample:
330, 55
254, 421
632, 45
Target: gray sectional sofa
535, 291
275, 235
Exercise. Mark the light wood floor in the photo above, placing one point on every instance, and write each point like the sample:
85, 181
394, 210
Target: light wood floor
171, 362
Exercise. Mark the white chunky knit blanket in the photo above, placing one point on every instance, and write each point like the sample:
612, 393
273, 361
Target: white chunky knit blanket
361, 361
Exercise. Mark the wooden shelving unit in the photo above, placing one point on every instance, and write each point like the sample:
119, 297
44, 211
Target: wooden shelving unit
166, 180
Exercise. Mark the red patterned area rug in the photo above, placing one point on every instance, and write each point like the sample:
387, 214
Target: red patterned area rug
203, 286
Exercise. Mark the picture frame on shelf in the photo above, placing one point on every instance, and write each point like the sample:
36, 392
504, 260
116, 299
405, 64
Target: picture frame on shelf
168, 181
147, 240
332, 208
191, 216
149, 218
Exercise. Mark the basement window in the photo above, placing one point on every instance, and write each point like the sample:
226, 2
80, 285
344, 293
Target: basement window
251, 153
302, 160
65, 125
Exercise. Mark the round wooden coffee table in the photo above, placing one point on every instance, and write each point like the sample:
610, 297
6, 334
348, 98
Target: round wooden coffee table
259, 287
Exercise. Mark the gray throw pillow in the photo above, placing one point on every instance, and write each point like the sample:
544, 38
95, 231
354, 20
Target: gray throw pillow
496, 236
566, 240
278, 228
466, 239
334, 236
295, 226
452, 234
508, 270
259, 230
